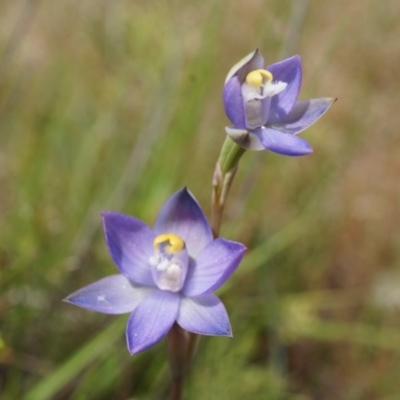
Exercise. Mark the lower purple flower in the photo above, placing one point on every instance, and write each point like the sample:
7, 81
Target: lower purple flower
167, 274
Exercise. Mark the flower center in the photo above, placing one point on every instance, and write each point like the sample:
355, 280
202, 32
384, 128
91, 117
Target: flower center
259, 84
172, 243
257, 89
169, 263
259, 77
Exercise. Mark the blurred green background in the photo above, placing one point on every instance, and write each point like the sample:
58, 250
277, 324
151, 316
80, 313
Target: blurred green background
116, 104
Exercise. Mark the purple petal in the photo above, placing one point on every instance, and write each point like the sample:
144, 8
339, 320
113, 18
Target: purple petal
303, 114
247, 64
151, 320
288, 71
244, 138
111, 295
213, 266
283, 143
233, 102
205, 315
182, 215
130, 243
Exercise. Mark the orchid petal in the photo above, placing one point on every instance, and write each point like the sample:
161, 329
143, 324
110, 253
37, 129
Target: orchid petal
151, 320
244, 138
252, 61
289, 71
233, 102
213, 266
182, 215
204, 315
114, 294
303, 114
130, 243
283, 143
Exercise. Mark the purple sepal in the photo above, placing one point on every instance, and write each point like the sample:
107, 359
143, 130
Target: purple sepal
130, 243
303, 114
283, 143
151, 320
247, 64
233, 102
182, 215
213, 266
204, 315
111, 295
289, 71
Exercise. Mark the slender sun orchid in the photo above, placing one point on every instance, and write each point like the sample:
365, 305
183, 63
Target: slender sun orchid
167, 274
262, 105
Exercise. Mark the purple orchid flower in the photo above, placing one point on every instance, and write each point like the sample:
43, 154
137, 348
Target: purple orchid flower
262, 105
167, 274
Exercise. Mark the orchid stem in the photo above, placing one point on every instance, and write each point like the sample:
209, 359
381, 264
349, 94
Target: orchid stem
181, 344
224, 174
176, 389
177, 345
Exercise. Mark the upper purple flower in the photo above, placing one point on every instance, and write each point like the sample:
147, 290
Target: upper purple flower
263, 107
167, 274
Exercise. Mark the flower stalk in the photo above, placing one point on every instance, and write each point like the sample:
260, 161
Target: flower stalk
225, 171
224, 174
177, 347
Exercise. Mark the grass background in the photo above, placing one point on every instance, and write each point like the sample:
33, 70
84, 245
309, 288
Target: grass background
115, 105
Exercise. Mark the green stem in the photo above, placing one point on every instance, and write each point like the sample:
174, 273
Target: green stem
224, 174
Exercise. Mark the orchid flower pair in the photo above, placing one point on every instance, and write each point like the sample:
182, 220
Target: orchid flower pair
168, 273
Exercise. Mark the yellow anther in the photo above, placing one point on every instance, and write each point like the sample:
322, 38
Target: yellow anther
173, 243
259, 77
